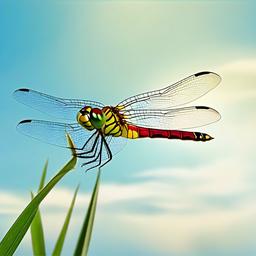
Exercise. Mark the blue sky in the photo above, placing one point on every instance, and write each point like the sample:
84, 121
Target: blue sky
157, 197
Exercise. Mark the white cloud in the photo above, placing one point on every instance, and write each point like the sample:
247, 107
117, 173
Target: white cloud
238, 81
61, 197
195, 207
10, 202
245, 66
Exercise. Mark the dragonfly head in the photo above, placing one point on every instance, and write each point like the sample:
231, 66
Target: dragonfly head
91, 118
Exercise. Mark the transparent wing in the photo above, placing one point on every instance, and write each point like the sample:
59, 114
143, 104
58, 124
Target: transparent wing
54, 133
182, 92
53, 106
179, 118
116, 144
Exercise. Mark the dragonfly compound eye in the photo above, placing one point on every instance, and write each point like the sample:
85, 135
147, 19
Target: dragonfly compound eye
97, 118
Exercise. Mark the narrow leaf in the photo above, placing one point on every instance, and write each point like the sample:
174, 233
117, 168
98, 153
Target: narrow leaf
59, 244
71, 145
42, 181
13, 237
86, 231
36, 228
37, 234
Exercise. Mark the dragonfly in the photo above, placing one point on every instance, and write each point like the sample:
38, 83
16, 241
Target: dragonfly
99, 131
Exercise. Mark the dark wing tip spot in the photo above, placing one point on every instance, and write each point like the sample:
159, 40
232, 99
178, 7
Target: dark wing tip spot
25, 121
202, 73
23, 90
202, 107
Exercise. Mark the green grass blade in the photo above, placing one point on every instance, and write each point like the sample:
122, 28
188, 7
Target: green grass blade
86, 232
37, 234
36, 228
13, 237
42, 181
59, 244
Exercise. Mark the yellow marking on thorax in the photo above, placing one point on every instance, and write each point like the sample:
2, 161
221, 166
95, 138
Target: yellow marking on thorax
116, 126
112, 125
129, 133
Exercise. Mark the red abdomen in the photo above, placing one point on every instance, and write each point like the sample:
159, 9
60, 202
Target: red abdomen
171, 134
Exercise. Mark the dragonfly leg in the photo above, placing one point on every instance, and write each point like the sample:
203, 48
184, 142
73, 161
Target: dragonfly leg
93, 153
96, 158
108, 152
100, 158
87, 141
94, 146
97, 155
